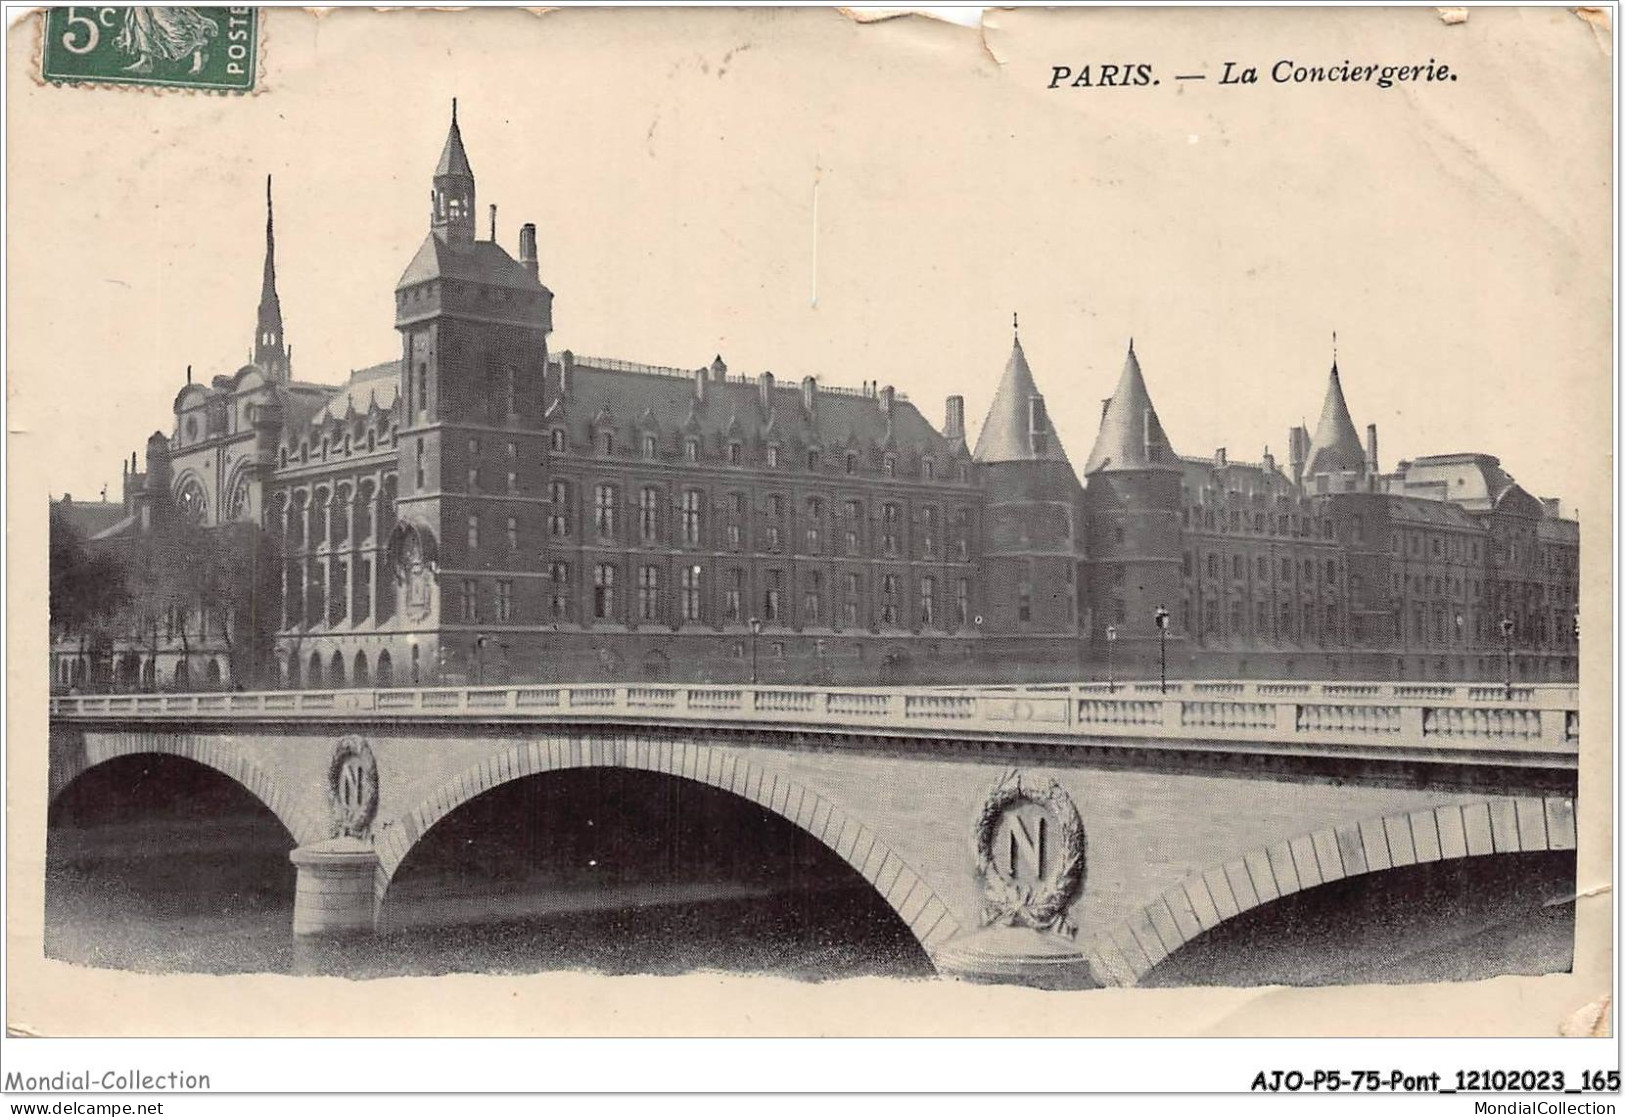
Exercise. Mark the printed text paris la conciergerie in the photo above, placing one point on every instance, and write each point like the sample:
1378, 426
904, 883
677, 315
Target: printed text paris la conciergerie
1286, 71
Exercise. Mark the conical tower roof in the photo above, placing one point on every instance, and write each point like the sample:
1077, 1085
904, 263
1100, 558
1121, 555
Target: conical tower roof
1336, 445
1131, 435
453, 159
1017, 427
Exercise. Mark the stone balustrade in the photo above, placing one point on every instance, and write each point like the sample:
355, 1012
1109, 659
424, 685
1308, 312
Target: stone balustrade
1432, 718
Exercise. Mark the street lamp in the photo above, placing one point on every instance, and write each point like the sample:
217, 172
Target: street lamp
1162, 645
1506, 640
755, 631
1111, 638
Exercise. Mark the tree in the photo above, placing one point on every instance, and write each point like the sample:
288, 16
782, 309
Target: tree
88, 589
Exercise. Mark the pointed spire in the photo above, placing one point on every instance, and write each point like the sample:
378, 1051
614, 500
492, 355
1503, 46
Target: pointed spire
270, 352
1131, 436
1017, 427
1335, 447
453, 159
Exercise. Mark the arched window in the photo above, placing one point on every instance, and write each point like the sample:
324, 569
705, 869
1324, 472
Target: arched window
313, 677
385, 669
335, 673
360, 674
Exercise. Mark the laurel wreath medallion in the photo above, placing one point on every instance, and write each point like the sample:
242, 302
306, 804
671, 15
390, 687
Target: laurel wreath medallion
352, 819
1043, 904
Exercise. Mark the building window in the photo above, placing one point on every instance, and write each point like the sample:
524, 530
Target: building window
651, 446
731, 599
812, 599
812, 541
604, 510
849, 606
772, 598
888, 539
649, 593
556, 440
420, 483
1024, 601
423, 387
851, 542
691, 449
773, 537
649, 514
889, 464
928, 601
558, 521
513, 482
606, 443
772, 457
734, 453
812, 461
471, 601
559, 574
693, 499
888, 599
733, 537
691, 593
851, 463
473, 534
603, 591
504, 601
930, 468
513, 534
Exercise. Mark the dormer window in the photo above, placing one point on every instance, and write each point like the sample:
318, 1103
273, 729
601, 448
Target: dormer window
691, 449
651, 445
812, 461
930, 469
889, 464
735, 452
606, 442
851, 463
772, 457
556, 440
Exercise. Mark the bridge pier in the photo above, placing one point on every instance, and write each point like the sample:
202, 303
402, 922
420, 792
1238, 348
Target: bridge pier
1017, 956
334, 896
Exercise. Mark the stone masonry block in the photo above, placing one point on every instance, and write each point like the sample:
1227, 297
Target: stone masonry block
1504, 826
1351, 849
1179, 905
1218, 886
1201, 903
1241, 885
1374, 840
1560, 823
1263, 877
1532, 824
1425, 835
1475, 820
1305, 861
1452, 832
1400, 845
1327, 855
1286, 873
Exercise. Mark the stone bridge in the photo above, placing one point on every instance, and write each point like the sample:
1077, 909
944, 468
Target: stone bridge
1067, 835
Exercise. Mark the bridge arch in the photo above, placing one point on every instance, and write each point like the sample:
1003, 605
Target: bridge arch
903, 890
1205, 900
218, 756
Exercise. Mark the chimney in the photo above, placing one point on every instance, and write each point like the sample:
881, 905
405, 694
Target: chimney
567, 373
765, 383
493, 222
1371, 448
888, 396
527, 248
1297, 440
953, 422
1220, 457
1269, 461
809, 393
700, 377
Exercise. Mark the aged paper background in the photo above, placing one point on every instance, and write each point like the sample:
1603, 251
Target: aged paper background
1456, 235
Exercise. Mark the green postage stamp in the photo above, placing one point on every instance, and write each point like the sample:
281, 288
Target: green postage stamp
189, 48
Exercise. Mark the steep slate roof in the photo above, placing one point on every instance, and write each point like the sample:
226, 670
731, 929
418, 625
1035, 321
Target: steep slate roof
1336, 445
1005, 434
1131, 435
453, 159
841, 418
380, 382
91, 518
483, 261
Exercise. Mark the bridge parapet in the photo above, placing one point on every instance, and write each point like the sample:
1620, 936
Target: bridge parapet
1542, 722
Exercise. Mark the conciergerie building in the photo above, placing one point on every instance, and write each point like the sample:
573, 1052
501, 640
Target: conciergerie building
481, 508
